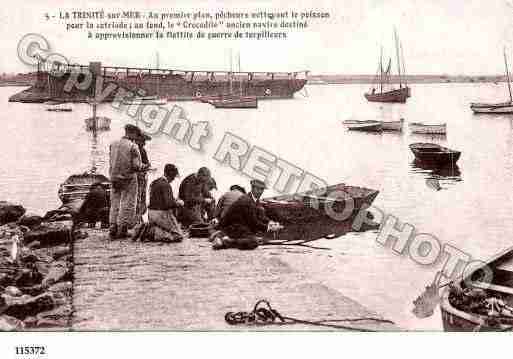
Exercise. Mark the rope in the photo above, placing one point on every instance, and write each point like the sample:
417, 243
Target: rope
264, 314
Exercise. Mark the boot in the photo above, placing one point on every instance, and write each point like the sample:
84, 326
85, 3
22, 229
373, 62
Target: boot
113, 230
122, 232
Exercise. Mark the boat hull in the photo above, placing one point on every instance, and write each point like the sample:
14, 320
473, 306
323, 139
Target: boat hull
366, 126
315, 215
392, 125
428, 129
242, 102
102, 123
430, 153
398, 96
493, 110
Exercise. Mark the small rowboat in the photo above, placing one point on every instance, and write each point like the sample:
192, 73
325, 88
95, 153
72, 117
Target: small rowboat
471, 304
428, 129
75, 188
434, 154
392, 125
234, 102
493, 109
102, 123
59, 108
317, 214
486, 105
365, 125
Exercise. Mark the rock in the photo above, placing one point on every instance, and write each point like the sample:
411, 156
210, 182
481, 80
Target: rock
6, 279
34, 290
13, 291
8, 324
28, 277
63, 287
7, 231
49, 234
30, 322
34, 245
43, 268
30, 220
26, 306
10, 212
58, 317
60, 251
59, 271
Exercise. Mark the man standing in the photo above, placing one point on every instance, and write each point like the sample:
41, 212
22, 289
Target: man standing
125, 162
142, 177
163, 204
194, 191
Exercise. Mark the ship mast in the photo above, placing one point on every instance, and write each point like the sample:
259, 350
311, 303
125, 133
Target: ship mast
158, 74
398, 58
381, 70
507, 75
402, 62
231, 71
241, 77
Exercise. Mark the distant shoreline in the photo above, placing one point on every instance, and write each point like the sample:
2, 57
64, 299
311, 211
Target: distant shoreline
412, 79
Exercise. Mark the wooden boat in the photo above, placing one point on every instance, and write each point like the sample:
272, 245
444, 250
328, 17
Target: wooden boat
496, 108
379, 93
392, 125
317, 214
364, 125
479, 306
102, 123
428, 129
145, 100
235, 102
433, 153
59, 108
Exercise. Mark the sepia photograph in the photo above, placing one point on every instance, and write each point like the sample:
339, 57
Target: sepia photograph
262, 166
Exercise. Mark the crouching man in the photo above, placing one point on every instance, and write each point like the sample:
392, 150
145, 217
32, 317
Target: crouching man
162, 207
244, 220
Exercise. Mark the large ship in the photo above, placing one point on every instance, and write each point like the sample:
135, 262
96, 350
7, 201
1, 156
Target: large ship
175, 85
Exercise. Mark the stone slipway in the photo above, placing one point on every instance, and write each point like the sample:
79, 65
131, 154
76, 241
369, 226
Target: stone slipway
122, 285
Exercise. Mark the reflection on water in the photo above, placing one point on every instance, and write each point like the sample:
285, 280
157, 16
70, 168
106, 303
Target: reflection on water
437, 177
421, 137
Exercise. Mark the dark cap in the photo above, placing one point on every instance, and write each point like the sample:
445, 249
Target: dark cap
204, 171
132, 129
258, 183
170, 170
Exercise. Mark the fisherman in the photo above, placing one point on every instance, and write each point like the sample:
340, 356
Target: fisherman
125, 163
142, 177
227, 199
163, 204
244, 219
194, 191
95, 208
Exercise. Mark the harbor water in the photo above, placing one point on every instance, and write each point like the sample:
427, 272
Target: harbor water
472, 210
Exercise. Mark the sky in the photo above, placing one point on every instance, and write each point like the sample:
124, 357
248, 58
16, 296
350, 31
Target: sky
438, 37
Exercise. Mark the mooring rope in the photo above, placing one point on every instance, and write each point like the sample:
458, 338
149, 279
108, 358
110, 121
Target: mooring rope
264, 314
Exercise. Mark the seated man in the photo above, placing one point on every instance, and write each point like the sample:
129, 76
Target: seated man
227, 200
195, 193
162, 203
95, 208
243, 219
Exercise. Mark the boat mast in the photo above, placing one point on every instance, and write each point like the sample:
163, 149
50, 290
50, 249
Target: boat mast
398, 58
158, 74
507, 75
231, 71
402, 62
241, 77
381, 70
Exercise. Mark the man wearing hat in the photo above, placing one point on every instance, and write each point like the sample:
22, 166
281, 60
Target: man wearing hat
244, 217
125, 163
195, 192
163, 204
142, 177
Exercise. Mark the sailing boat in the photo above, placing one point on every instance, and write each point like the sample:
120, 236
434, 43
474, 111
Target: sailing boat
394, 95
496, 108
233, 100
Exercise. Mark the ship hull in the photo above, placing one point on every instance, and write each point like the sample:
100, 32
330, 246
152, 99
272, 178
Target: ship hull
397, 96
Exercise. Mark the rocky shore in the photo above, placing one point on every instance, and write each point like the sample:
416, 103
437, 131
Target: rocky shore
36, 270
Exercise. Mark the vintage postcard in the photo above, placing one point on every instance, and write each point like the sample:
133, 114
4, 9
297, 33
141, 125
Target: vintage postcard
256, 166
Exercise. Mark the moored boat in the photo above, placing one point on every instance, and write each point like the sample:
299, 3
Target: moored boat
428, 129
74, 189
59, 108
146, 100
473, 305
363, 125
233, 101
392, 125
434, 154
102, 123
317, 214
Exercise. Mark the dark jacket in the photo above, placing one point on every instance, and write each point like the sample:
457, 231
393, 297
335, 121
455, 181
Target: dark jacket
244, 213
161, 195
192, 191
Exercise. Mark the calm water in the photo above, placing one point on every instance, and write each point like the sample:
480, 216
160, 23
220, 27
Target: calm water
472, 211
